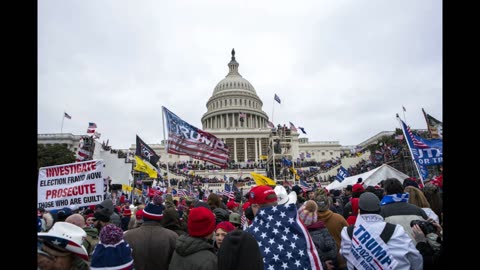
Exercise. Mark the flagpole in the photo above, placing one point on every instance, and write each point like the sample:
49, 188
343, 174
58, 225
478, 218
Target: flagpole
273, 160
404, 117
166, 145
411, 153
63, 118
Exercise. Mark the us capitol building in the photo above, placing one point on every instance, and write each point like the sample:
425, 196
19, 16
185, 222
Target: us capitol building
234, 114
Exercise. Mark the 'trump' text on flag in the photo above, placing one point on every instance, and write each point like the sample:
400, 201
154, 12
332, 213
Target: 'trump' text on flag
185, 139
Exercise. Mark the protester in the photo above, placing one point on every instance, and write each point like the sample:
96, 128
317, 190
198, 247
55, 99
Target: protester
91, 240
112, 252
152, 244
61, 248
195, 251
221, 231
239, 251
395, 206
399, 247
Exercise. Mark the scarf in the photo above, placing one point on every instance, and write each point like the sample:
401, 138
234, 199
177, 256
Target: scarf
394, 198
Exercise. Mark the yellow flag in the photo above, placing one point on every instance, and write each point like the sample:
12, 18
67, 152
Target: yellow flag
143, 166
126, 188
263, 157
262, 180
138, 191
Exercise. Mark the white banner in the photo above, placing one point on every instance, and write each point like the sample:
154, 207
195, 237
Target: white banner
368, 250
79, 184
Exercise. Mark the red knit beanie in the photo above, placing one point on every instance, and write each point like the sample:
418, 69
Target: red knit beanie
201, 222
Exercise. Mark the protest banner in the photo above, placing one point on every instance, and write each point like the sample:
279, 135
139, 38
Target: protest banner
78, 184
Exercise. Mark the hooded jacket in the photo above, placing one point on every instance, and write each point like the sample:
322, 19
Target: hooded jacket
193, 253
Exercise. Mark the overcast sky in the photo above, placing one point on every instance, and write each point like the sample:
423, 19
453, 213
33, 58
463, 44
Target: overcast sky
343, 69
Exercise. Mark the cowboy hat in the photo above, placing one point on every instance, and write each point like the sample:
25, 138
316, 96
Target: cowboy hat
66, 236
283, 198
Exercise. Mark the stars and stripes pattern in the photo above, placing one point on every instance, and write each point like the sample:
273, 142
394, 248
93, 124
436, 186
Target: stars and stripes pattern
305, 187
277, 99
185, 139
292, 127
228, 192
283, 239
270, 124
416, 142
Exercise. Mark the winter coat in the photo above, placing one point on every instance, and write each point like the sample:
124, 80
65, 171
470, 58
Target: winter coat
193, 253
91, 240
324, 242
152, 246
334, 223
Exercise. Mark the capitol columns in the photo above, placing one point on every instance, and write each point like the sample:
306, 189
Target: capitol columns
256, 149
235, 149
245, 143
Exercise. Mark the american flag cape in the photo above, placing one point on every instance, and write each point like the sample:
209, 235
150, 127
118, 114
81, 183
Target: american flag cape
185, 139
284, 241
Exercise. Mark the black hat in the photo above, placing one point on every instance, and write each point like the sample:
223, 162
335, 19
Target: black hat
102, 215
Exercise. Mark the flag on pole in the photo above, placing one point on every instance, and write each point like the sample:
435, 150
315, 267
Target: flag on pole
66, 115
92, 125
435, 127
144, 166
144, 151
292, 127
270, 124
185, 139
303, 130
404, 108
277, 99
262, 180
342, 173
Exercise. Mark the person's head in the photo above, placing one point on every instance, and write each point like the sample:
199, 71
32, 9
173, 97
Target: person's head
348, 190
308, 212
310, 195
368, 203
213, 201
392, 186
235, 219
221, 231
357, 190
112, 252
76, 219
262, 197
90, 220
239, 251
201, 223
232, 206
101, 218
61, 247
323, 203
153, 212
416, 197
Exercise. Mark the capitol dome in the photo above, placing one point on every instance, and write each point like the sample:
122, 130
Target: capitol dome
234, 103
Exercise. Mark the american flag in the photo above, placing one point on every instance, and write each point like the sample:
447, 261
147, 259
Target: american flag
284, 241
305, 187
185, 139
270, 124
92, 125
292, 127
277, 99
182, 193
66, 115
416, 142
229, 192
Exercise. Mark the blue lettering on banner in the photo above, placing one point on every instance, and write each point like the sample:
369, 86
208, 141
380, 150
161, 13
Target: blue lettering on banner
368, 249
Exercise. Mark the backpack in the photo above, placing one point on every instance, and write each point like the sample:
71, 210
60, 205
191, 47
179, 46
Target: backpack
385, 235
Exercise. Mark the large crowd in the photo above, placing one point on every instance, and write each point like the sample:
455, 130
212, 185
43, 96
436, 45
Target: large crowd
228, 232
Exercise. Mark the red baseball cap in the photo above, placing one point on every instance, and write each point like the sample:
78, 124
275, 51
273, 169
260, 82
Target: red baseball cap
358, 188
232, 204
259, 194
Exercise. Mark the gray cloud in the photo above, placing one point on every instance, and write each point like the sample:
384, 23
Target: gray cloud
342, 68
